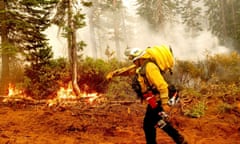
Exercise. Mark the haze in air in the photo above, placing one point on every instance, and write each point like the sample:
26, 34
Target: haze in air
174, 34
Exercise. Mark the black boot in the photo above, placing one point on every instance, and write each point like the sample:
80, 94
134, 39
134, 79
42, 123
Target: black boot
172, 132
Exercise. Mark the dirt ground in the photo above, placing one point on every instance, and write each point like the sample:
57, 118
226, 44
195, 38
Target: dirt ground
112, 123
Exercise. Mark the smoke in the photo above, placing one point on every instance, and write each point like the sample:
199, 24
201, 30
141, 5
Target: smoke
184, 46
58, 43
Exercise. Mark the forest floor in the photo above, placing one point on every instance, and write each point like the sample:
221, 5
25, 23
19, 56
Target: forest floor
108, 123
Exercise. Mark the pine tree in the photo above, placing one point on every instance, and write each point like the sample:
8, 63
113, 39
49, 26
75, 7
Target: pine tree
191, 14
113, 23
224, 20
71, 20
35, 16
4, 49
155, 12
23, 24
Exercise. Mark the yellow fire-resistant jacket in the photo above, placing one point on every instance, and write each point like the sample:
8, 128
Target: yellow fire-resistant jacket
152, 71
155, 79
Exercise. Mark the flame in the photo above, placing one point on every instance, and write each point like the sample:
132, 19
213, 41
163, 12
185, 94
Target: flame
14, 94
13, 91
91, 97
66, 95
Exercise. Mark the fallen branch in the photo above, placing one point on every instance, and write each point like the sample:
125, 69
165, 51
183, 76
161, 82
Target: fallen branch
123, 102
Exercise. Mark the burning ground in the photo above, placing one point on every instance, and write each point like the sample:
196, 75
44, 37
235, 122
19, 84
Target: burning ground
98, 120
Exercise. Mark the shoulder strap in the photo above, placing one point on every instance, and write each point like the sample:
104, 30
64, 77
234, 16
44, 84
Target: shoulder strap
142, 72
143, 67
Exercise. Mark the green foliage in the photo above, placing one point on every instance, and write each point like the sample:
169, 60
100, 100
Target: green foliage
229, 92
225, 67
24, 22
86, 3
92, 73
197, 110
27, 22
218, 80
120, 89
188, 67
224, 108
186, 73
191, 15
192, 93
61, 18
155, 12
217, 68
224, 20
38, 2
44, 80
81, 45
78, 20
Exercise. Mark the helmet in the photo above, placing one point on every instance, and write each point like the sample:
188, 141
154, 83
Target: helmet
134, 53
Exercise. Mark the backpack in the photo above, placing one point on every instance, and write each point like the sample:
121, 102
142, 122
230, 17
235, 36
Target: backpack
172, 90
161, 55
140, 76
136, 87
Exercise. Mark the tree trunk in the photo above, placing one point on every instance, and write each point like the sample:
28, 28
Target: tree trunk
224, 27
234, 19
69, 37
74, 63
5, 57
73, 49
92, 32
116, 30
126, 38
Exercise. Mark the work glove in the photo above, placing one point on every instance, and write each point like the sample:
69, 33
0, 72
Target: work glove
173, 95
173, 101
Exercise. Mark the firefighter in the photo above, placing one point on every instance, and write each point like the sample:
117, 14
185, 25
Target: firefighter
150, 85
